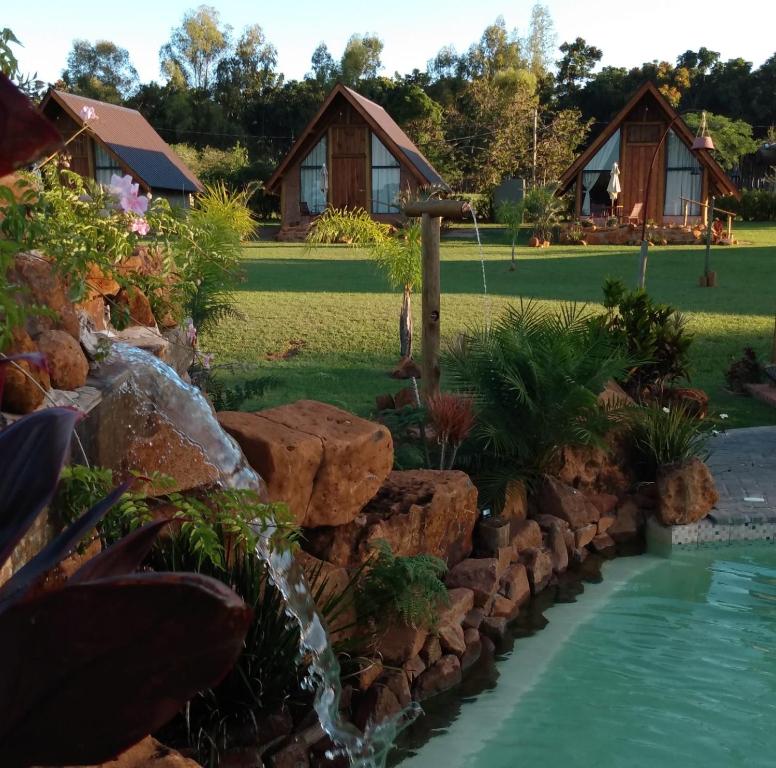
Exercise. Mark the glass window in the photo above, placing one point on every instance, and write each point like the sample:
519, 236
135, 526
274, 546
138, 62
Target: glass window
683, 179
105, 165
386, 179
595, 177
314, 187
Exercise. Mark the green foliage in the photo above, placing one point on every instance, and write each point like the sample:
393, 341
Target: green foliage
101, 70
213, 164
543, 209
230, 396
406, 424
394, 588
399, 258
510, 213
659, 435
534, 377
350, 226
654, 335
754, 205
746, 370
80, 488
732, 138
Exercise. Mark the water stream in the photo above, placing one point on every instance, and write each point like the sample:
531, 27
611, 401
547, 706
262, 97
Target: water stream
190, 414
485, 295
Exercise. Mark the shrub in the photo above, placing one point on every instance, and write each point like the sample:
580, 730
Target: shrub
653, 335
746, 370
543, 209
754, 205
660, 435
351, 226
534, 379
401, 588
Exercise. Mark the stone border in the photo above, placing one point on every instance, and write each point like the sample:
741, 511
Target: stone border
662, 539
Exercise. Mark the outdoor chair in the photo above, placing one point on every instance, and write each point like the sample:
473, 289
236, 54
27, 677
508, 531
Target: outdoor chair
635, 215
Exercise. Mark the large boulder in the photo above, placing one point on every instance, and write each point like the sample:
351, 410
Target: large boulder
137, 306
25, 384
149, 753
480, 575
686, 492
589, 468
40, 284
355, 459
417, 512
67, 364
567, 503
445, 674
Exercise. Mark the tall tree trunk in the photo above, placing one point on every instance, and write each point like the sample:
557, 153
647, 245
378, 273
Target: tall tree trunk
405, 324
512, 268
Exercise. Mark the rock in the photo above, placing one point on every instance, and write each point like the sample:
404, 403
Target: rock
136, 304
460, 602
293, 755
504, 607
584, 535
494, 627
514, 584
570, 541
557, 545
406, 369
492, 533
287, 459
451, 639
602, 542
526, 534
605, 503
614, 396
397, 683
686, 492
694, 401
376, 705
478, 574
25, 386
413, 668
95, 309
594, 469
488, 646
67, 364
149, 753
417, 512
357, 457
148, 339
628, 523
43, 286
98, 281
473, 649
538, 564
385, 402
548, 522
401, 642
405, 397
567, 503
181, 350
474, 618
515, 503
445, 674
605, 523
431, 651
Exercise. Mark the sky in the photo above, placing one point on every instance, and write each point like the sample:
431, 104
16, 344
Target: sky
412, 30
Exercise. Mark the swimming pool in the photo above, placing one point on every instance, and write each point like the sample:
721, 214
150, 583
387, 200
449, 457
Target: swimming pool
667, 662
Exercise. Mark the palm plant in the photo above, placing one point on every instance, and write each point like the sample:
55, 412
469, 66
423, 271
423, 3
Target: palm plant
534, 377
510, 213
543, 208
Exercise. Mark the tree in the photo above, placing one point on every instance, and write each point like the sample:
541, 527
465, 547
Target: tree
324, 69
732, 138
540, 41
195, 48
510, 214
497, 51
100, 71
361, 58
576, 66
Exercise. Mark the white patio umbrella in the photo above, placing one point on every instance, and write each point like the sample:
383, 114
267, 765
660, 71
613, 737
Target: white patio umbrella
614, 187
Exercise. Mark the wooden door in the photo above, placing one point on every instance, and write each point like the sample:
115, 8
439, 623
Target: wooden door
636, 158
347, 177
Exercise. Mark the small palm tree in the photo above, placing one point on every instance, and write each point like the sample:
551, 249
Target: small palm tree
510, 214
543, 208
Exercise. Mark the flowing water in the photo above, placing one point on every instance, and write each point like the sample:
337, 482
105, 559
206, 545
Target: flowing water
666, 663
190, 414
485, 296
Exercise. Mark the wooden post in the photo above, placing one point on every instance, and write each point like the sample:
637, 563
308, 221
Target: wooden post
685, 212
707, 257
430, 229
773, 345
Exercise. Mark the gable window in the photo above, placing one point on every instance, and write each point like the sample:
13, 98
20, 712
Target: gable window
314, 187
683, 179
386, 175
105, 165
596, 176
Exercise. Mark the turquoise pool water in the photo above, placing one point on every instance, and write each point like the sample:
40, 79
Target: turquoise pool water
667, 662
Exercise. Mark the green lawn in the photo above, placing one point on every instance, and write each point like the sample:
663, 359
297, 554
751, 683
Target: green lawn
334, 304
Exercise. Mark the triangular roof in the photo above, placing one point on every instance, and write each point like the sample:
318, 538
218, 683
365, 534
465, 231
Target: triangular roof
381, 123
130, 137
680, 128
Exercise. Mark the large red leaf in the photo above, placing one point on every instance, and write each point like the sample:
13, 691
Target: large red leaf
91, 668
25, 134
32, 452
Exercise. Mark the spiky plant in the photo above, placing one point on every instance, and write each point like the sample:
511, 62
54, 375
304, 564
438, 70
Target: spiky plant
534, 377
452, 417
352, 226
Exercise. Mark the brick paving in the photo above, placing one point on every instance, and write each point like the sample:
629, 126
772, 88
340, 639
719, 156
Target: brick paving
743, 462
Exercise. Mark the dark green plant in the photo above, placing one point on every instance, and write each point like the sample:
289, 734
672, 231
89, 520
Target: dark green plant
406, 424
746, 370
659, 435
543, 209
654, 335
510, 213
407, 589
534, 378
230, 396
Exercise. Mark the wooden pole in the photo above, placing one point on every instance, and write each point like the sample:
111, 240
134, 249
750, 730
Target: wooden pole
707, 257
773, 345
430, 229
448, 209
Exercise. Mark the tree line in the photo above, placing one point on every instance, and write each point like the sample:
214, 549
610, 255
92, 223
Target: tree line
509, 105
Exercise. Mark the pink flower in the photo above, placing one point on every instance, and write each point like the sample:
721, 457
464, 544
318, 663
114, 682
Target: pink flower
121, 186
139, 226
133, 203
88, 114
191, 332
206, 361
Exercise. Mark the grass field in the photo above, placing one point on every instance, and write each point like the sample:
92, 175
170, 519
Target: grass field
333, 307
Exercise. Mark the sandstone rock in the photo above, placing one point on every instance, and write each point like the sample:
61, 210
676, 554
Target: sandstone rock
149, 753
594, 469
416, 512
137, 305
628, 524
526, 534
404, 397
293, 755
396, 681
413, 668
105, 285
494, 627
460, 602
514, 584
605, 523
548, 522
181, 349
67, 364
567, 503
94, 307
614, 396
488, 645
505, 556
473, 649
287, 459
385, 402
330, 582
431, 651
602, 542
25, 385
605, 503
686, 492
42, 285
406, 369
148, 339
357, 457
492, 533
505, 608
584, 535
400, 643
538, 564
570, 541
451, 639
474, 618
516, 502
478, 574
376, 705
445, 674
